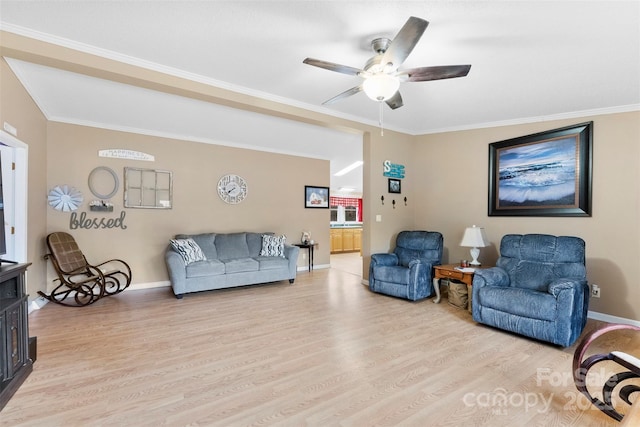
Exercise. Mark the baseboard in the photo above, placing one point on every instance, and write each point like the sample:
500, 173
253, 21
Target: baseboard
305, 268
611, 319
166, 283
37, 304
148, 285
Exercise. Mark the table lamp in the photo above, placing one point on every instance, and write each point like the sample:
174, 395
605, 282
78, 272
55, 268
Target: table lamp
474, 238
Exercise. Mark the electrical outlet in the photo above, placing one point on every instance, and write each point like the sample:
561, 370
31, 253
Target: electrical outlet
304, 256
595, 290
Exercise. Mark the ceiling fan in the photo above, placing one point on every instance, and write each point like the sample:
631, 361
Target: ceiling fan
381, 73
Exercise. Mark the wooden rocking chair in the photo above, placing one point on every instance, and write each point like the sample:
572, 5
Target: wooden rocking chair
81, 283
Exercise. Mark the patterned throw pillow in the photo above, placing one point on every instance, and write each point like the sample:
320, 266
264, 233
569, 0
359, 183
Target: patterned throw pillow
273, 245
188, 249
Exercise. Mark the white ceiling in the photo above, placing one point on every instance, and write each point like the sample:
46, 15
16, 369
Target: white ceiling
531, 60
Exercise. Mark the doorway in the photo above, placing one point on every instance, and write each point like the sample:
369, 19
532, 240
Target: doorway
13, 154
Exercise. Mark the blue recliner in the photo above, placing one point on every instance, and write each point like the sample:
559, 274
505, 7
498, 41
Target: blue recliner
538, 288
407, 272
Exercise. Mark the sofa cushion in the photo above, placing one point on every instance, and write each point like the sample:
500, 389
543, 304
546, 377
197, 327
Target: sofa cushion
254, 242
188, 250
232, 246
272, 262
241, 265
206, 241
273, 245
209, 267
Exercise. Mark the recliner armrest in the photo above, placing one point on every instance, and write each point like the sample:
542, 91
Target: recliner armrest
384, 259
564, 284
494, 276
420, 263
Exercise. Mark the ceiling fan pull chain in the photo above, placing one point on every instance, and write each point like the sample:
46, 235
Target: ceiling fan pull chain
380, 121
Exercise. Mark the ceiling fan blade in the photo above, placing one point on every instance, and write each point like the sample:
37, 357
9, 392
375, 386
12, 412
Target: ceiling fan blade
433, 73
395, 101
344, 69
404, 42
343, 95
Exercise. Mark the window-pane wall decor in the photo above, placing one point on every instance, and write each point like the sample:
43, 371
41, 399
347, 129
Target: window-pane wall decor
148, 188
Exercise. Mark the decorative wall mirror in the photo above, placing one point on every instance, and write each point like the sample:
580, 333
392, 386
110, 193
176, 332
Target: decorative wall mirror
148, 188
103, 182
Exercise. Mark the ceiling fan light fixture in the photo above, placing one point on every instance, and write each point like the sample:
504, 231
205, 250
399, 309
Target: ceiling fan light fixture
382, 75
380, 87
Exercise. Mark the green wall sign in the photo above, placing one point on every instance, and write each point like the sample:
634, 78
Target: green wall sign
392, 170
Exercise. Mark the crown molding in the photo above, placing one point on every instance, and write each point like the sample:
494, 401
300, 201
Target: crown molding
527, 120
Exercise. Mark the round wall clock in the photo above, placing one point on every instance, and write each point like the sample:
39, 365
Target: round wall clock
232, 189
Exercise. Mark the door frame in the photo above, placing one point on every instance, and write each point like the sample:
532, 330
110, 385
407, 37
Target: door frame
19, 202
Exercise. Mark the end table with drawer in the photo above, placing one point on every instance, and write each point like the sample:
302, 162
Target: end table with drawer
450, 271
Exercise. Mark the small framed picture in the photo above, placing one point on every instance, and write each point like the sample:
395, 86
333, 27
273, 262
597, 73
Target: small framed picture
316, 197
395, 186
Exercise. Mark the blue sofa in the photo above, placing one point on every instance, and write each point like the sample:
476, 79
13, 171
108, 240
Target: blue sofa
227, 260
408, 271
537, 289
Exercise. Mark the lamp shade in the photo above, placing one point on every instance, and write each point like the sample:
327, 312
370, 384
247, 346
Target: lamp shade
381, 86
474, 237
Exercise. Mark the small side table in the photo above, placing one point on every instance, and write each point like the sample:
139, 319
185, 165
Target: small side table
309, 247
449, 271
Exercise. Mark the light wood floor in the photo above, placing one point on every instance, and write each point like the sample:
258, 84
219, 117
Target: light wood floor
350, 262
322, 352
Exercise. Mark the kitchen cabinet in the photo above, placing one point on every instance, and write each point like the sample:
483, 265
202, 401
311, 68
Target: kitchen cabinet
357, 239
346, 240
336, 240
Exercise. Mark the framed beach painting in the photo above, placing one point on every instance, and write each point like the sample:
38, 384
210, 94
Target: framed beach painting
544, 174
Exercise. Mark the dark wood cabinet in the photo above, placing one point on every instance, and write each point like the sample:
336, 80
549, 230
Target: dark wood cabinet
15, 364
